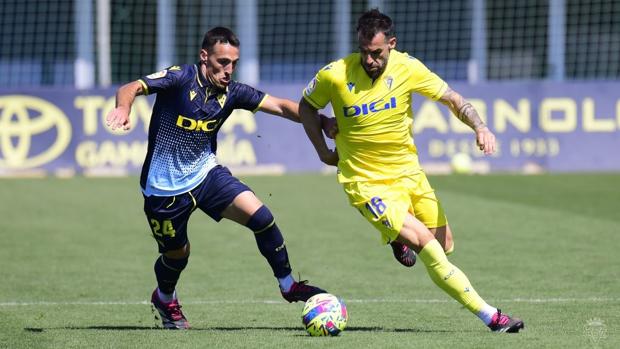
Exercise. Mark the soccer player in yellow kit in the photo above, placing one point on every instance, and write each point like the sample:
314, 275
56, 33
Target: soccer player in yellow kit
370, 92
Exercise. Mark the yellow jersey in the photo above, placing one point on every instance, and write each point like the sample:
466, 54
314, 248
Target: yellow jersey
374, 118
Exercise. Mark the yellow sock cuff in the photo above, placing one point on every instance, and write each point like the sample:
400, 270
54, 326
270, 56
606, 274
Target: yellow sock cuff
432, 253
450, 250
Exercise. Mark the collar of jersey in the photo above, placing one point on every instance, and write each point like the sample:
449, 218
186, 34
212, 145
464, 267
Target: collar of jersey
206, 84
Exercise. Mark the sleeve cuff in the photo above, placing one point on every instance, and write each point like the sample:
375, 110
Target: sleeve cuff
144, 86
261, 103
441, 92
313, 103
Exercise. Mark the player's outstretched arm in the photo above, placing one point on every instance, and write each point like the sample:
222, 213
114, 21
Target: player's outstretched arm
465, 112
290, 110
125, 95
312, 125
281, 107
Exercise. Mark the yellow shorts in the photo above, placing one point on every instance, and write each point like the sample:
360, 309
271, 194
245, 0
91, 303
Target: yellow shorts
385, 203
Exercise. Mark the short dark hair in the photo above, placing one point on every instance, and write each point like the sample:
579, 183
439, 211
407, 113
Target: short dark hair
373, 22
222, 35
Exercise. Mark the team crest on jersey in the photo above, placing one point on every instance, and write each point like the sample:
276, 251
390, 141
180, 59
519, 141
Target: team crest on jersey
221, 99
310, 87
160, 74
388, 82
350, 86
192, 95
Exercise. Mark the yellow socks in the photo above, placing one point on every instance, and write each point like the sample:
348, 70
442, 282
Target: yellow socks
450, 278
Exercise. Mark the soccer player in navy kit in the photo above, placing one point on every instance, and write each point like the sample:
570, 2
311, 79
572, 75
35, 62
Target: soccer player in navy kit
180, 172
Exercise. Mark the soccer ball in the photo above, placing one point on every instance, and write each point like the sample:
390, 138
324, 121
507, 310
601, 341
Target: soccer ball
461, 163
324, 315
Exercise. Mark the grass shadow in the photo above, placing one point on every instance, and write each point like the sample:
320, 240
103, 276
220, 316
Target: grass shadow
232, 329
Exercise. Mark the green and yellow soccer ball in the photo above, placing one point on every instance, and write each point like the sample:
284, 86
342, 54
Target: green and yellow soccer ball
324, 315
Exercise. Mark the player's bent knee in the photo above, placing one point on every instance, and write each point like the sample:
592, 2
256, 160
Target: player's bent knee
444, 236
261, 220
179, 253
448, 244
449, 248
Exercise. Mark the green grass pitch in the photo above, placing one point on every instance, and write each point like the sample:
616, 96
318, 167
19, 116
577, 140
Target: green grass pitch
76, 260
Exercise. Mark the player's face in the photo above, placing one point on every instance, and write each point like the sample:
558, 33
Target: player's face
219, 63
375, 53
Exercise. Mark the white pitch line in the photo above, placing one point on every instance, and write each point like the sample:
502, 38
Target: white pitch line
378, 300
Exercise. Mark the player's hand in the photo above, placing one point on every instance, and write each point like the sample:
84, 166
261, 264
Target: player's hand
485, 140
118, 118
330, 157
329, 126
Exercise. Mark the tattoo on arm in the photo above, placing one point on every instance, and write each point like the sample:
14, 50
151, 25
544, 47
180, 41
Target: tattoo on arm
469, 116
463, 110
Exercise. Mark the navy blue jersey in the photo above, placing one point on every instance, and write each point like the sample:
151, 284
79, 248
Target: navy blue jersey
187, 115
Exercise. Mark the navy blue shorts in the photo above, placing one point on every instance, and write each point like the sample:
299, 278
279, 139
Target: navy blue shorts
168, 215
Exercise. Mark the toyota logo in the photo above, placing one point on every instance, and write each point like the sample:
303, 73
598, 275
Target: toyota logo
33, 132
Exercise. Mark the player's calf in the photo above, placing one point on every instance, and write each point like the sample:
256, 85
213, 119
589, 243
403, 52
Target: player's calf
270, 241
167, 271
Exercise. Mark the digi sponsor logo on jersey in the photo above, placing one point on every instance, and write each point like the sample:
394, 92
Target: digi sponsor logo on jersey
197, 125
367, 108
